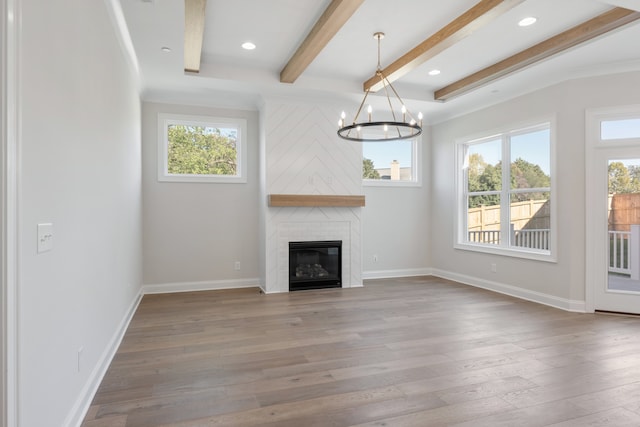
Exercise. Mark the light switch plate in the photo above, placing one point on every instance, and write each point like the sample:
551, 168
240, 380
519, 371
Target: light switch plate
45, 237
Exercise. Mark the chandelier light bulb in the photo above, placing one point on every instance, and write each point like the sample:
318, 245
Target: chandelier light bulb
369, 111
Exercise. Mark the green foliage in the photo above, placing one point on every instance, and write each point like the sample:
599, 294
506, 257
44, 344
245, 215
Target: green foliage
622, 179
196, 150
368, 170
485, 177
528, 175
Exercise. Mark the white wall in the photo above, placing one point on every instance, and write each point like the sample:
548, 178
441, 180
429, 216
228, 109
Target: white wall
396, 225
80, 170
561, 283
194, 232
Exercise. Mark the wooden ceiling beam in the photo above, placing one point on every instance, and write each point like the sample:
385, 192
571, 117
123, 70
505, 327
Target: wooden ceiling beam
586, 31
473, 19
193, 33
332, 19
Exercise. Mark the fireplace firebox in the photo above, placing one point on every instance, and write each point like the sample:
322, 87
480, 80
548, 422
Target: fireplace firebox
315, 265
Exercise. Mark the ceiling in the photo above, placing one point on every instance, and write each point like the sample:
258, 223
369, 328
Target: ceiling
232, 76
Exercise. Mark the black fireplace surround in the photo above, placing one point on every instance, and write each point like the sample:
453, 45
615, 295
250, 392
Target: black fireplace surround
315, 265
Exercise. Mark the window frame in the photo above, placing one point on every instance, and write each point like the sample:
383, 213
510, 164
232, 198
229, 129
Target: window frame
461, 203
416, 163
167, 119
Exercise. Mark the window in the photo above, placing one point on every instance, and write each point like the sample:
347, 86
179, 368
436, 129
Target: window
620, 129
505, 203
390, 162
201, 149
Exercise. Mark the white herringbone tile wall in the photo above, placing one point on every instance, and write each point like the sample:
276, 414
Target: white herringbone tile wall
303, 155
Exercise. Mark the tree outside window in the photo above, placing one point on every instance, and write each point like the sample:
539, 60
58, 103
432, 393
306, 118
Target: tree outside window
201, 149
507, 190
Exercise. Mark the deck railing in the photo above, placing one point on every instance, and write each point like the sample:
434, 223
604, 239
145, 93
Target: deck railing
624, 252
531, 239
624, 246
485, 236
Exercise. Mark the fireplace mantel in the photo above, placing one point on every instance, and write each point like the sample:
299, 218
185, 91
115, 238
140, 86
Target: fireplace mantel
315, 200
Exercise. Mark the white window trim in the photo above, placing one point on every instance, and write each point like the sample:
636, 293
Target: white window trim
164, 119
416, 163
461, 216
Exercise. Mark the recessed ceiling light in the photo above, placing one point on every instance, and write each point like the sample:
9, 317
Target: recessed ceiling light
434, 72
165, 49
530, 20
248, 46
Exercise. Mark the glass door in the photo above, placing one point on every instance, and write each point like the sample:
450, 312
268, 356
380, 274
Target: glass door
612, 232
619, 248
623, 225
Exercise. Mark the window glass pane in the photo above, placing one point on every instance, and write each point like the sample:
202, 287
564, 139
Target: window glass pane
201, 150
531, 160
620, 129
484, 167
483, 219
530, 220
389, 160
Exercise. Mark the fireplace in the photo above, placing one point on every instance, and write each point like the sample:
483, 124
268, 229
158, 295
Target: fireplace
315, 265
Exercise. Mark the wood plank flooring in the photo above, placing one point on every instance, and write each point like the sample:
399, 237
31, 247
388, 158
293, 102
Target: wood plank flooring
417, 351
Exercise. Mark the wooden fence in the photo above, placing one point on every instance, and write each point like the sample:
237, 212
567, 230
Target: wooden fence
531, 214
624, 210
529, 224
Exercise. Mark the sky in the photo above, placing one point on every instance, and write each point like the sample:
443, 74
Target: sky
620, 129
384, 152
534, 147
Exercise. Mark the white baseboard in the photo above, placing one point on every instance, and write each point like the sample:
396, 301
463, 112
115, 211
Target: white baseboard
210, 285
538, 297
80, 408
389, 274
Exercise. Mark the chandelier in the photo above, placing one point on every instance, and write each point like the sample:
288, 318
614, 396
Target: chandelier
370, 130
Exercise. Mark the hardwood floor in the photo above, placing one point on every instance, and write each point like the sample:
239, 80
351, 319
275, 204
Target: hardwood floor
415, 351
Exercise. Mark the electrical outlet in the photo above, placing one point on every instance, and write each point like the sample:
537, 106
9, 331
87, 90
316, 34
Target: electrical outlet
236, 266
494, 268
